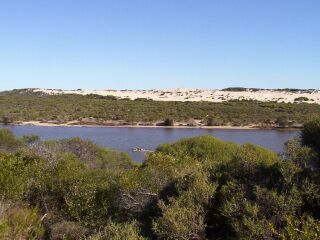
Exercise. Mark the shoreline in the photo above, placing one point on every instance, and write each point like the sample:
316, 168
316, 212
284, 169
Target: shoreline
226, 127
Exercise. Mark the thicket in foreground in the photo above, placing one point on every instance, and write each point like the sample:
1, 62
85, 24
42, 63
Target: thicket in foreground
197, 188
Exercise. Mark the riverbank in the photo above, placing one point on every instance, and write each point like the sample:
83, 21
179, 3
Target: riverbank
77, 124
103, 111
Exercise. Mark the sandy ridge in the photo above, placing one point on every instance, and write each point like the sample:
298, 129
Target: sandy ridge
312, 96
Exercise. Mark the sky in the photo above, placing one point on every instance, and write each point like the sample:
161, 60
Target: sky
148, 44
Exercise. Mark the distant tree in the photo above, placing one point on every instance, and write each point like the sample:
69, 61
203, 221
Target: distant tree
210, 121
5, 120
282, 121
214, 121
168, 122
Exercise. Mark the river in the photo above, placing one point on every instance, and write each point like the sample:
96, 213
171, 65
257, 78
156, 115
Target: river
124, 139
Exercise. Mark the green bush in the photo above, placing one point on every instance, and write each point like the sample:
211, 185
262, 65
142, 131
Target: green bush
301, 99
304, 227
181, 219
5, 120
68, 230
21, 223
8, 141
168, 122
204, 149
119, 231
282, 121
311, 134
13, 177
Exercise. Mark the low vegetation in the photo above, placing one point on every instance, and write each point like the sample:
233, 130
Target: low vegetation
301, 99
198, 188
95, 109
290, 90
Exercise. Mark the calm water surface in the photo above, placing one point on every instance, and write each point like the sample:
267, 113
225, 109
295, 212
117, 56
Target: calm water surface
124, 139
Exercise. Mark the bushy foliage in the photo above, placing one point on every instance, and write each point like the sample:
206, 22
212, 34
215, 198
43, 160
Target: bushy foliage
181, 219
183, 216
8, 141
19, 222
204, 148
68, 230
119, 231
310, 134
304, 228
13, 177
282, 121
5, 120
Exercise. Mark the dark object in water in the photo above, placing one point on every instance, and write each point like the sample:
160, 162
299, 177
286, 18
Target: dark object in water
137, 149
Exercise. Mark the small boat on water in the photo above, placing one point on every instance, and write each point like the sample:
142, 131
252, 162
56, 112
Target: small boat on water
137, 149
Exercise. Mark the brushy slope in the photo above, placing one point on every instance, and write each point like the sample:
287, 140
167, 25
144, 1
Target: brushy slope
23, 106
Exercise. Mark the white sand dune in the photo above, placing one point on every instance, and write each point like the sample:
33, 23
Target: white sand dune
183, 95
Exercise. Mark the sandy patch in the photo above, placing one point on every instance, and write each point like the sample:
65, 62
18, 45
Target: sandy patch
183, 95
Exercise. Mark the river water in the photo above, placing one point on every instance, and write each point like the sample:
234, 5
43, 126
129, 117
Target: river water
124, 139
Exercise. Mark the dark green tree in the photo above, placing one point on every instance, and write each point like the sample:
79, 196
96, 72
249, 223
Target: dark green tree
310, 134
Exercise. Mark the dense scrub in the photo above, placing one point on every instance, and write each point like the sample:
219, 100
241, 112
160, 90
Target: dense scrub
197, 188
23, 106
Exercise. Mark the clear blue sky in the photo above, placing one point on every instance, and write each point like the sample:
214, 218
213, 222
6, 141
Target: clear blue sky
144, 44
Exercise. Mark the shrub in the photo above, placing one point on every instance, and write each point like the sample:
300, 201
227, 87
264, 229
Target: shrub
302, 156
311, 134
203, 149
235, 89
79, 186
181, 219
301, 99
21, 223
13, 177
304, 227
168, 122
6, 120
119, 231
30, 138
8, 141
67, 230
282, 121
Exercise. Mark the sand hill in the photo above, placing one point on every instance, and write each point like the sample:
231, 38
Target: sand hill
281, 95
